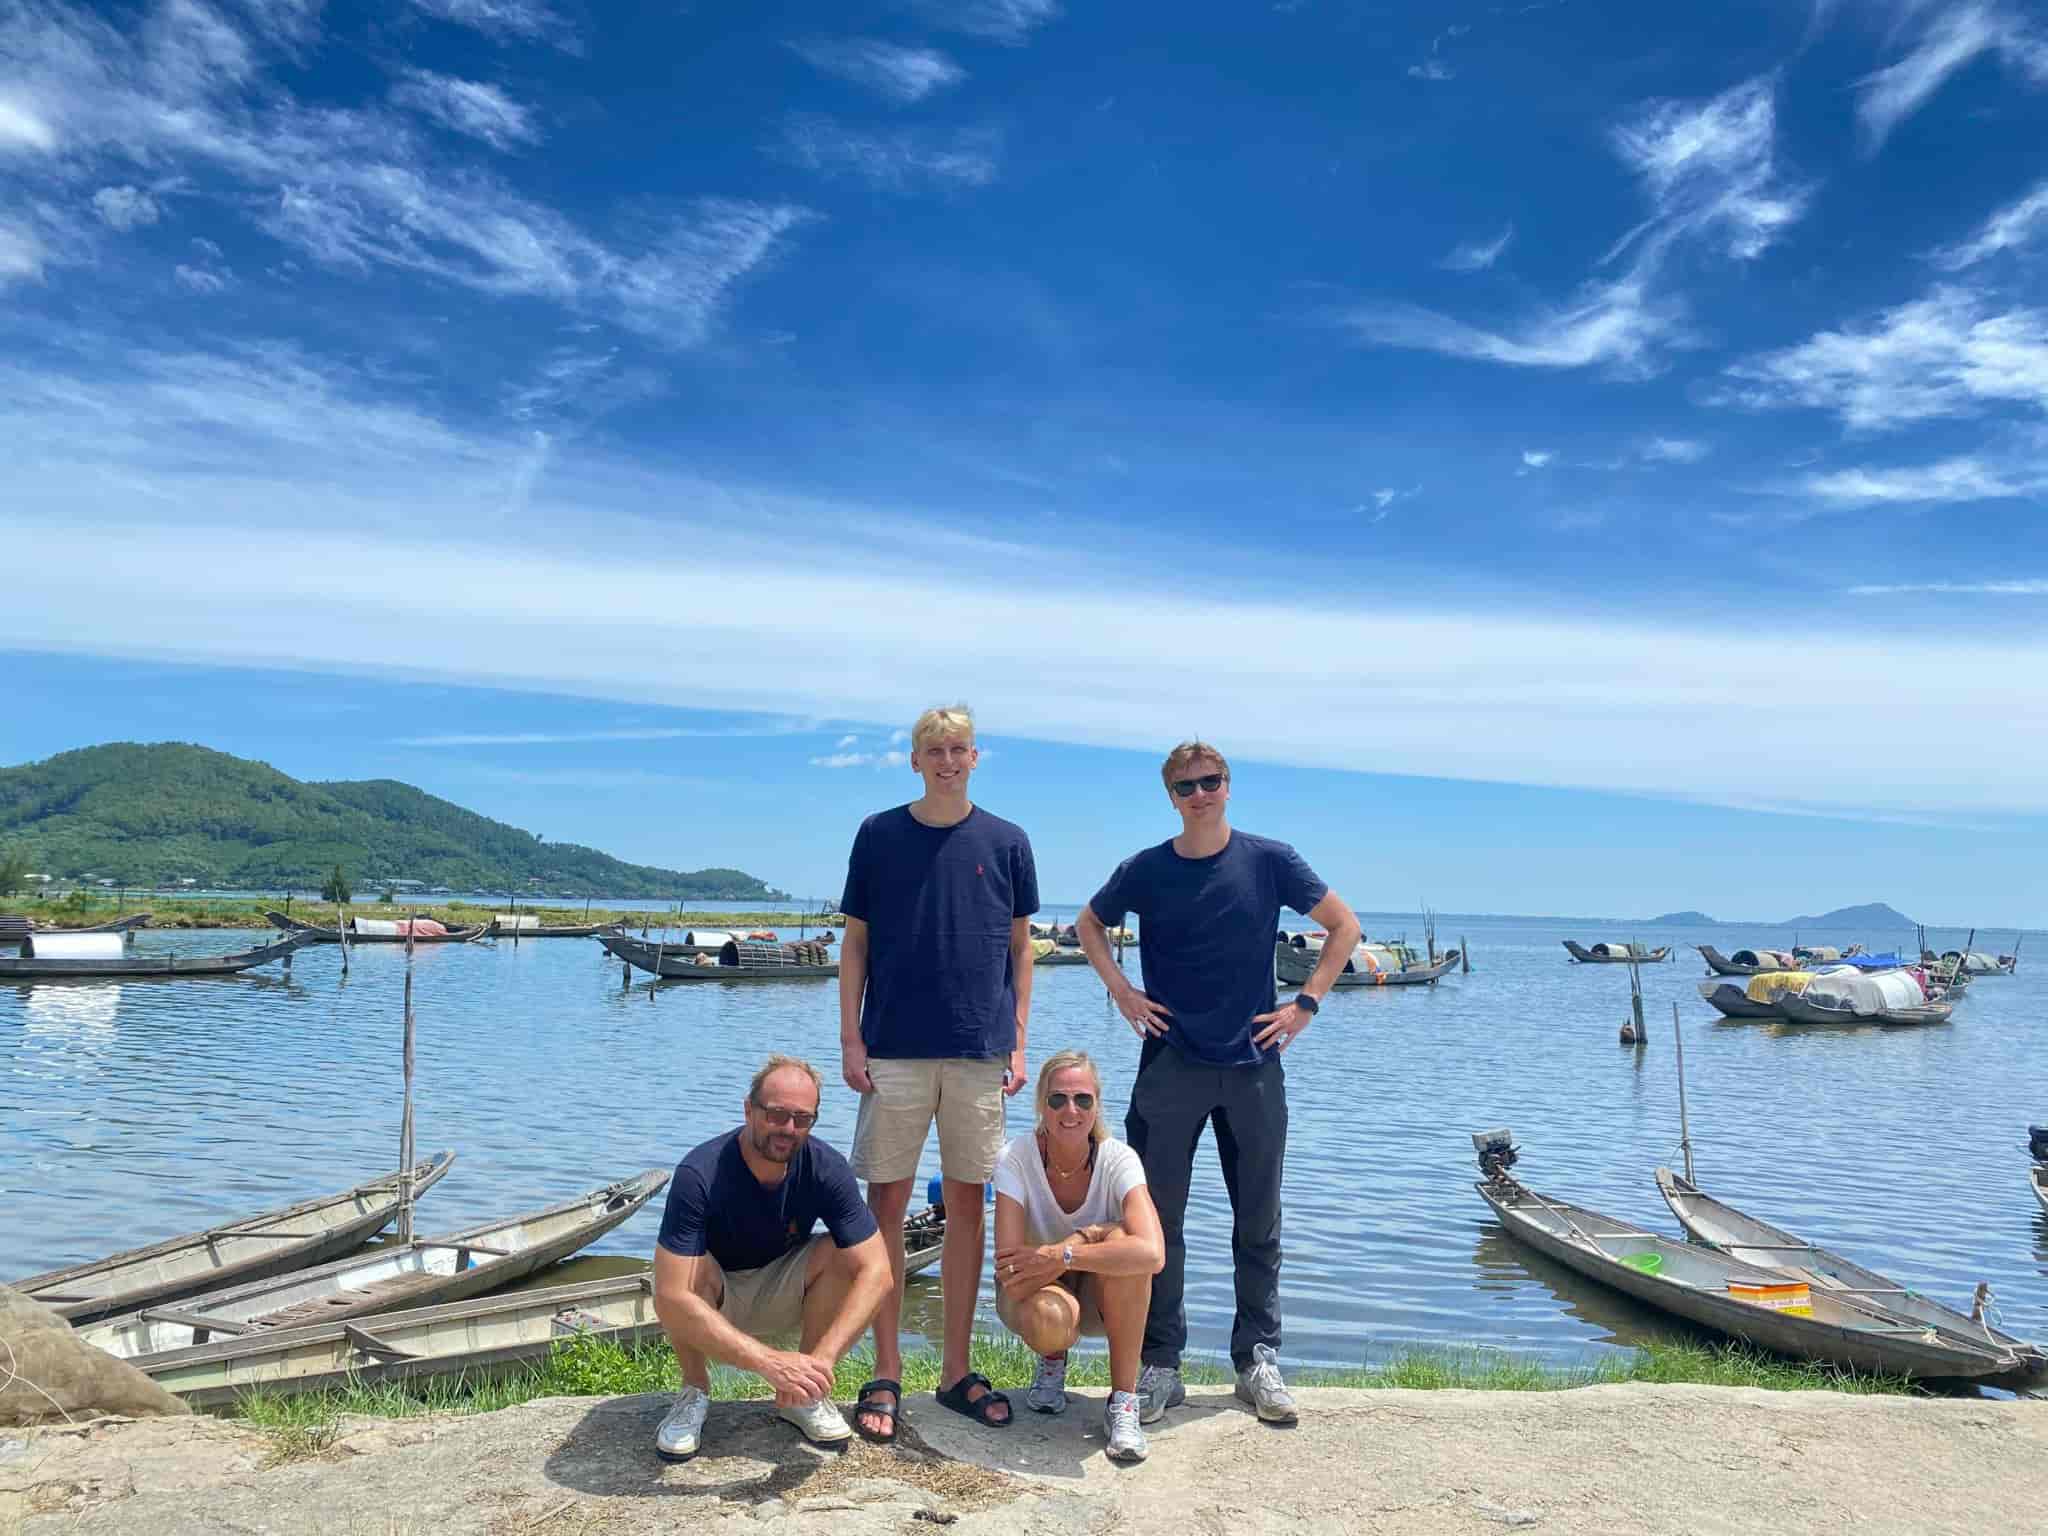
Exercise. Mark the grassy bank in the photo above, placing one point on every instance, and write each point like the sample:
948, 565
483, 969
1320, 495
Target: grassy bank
601, 1368
182, 912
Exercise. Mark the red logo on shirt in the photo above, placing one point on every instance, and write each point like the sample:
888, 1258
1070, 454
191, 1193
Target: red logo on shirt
977, 869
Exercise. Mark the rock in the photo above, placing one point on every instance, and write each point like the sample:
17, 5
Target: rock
48, 1372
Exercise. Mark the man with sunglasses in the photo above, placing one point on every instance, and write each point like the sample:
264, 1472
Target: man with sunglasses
736, 1261
1208, 902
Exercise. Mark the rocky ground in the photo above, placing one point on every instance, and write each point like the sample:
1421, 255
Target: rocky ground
1600, 1459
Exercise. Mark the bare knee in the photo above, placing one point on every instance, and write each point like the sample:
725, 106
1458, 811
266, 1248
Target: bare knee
890, 1202
1050, 1321
965, 1202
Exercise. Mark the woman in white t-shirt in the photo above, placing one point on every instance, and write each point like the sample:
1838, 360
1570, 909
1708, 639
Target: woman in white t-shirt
1077, 1244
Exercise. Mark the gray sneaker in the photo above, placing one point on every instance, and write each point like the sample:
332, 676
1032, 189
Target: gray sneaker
677, 1438
1120, 1426
1048, 1392
1260, 1385
1159, 1388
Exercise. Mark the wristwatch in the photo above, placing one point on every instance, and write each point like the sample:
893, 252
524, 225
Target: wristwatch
1067, 1254
1307, 1004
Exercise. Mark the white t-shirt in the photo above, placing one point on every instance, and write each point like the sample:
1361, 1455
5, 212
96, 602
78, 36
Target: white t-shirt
1020, 1174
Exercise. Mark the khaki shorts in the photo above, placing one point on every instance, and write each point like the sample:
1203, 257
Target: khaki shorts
1083, 1287
770, 1299
964, 1095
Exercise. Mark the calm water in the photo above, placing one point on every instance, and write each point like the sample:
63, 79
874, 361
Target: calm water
133, 1111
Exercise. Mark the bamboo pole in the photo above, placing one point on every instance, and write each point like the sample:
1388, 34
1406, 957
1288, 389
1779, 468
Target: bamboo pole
1684, 1128
405, 1154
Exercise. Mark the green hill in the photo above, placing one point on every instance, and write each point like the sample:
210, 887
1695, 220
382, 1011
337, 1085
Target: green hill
1872, 914
144, 815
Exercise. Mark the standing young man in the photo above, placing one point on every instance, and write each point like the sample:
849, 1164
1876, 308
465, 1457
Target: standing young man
1208, 902
934, 1003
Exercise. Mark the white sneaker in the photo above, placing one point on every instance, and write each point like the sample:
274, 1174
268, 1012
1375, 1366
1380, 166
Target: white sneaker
1259, 1384
820, 1421
1048, 1392
1120, 1425
677, 1438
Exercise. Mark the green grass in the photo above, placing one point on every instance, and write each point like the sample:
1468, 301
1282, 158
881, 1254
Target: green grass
604, 1368
180, 912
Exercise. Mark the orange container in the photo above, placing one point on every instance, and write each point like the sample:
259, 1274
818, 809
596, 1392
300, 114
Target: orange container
1794, 1297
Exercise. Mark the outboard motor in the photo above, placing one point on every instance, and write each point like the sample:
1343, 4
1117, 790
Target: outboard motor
1497, 1153
2037, 1143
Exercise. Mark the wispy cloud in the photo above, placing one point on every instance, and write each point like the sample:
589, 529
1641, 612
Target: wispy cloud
1955, 480
472, 107
2011, 228
1948, 354
22, 129
125, 208
2032, 586
21, 253
765, 726
848, 741
1384, 500
861, 760
1674, 450
528, 21
1617, 324
1477, 255
1948, 38
1534, 458
1432, 66
1711, 168
891, 70
998, 21
897, 160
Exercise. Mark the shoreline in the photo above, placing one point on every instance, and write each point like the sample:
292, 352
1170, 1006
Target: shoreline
174, 915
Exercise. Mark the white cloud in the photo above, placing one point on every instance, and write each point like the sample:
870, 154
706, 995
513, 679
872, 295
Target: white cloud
1947, 354
1537, 459
1961, 479
1477, 255
530, 21
22, 129
125, 208
898, 738
1432, 69
1951, 38
21, 253
999, 21
764, 726
889, 69
1711, 166
2031, 586
860, 760
1674, 450
898, 160
205, 281
848, 741
471, 107
1619, 325
2009, 229
1384, 497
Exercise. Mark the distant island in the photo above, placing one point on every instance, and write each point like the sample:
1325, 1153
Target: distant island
170, 813
1872, 914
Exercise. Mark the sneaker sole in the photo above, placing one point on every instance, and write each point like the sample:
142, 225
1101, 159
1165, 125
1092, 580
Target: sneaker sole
1125, 1458
1271, 1416
674, 1455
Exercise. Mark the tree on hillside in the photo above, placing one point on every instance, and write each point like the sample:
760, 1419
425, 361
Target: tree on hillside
336, 889
13, 871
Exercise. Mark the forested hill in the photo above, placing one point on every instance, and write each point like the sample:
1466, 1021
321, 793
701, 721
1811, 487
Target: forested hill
164, 812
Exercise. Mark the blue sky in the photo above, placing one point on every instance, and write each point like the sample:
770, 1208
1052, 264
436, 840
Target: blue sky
1580, 449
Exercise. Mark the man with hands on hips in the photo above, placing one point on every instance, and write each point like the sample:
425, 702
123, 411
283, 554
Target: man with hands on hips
1208, 902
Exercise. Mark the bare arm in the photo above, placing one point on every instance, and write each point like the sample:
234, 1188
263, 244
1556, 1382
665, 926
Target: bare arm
871, 1282
1023, 965
677, 1303
1143, 1014
853, 981
1137, 1248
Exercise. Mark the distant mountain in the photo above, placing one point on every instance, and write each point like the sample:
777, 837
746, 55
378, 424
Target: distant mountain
1681, 920
1872, 914
149, 814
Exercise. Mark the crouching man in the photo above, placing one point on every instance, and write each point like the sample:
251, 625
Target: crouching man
736, 1261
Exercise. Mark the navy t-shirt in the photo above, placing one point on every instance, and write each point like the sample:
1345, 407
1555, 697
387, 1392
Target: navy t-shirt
938, 902
717, 1206
1205, 935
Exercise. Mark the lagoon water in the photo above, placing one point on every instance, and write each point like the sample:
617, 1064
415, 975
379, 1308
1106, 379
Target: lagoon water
133, 1111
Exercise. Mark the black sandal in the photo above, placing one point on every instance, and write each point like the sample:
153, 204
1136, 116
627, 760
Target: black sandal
867, 1402
977, 1408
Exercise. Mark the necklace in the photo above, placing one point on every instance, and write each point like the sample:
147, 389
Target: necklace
1045, 1146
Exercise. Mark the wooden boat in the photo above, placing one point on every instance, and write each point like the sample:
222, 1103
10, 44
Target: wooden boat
924, 1239
1855, 997
1734, 1002
2037, 1144
364, 930
51, 954
1617, 954
426, 1272
1720, 1226
1370, 965
508, 926
1745, 962
1977, 962
474, 1338
737, 960
1717, 1291
254, 1248
15, 927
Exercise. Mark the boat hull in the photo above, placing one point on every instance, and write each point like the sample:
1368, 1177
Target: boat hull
669, 963
1799, 1011
1734, 1002
2037, 1177
1585, 956
1293, 967
150, 967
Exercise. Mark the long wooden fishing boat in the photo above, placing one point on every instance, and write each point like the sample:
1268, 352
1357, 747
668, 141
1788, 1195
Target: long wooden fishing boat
737, 960
2037, 1176
254, 1248
14, 927
424, 1272
924, 1239
1745, 962
363, 930
1372, 964
1734, 1002
1852, 997
53, 955
504, 926
476, 1338
1716, 1291
1721, 1226
1617, 954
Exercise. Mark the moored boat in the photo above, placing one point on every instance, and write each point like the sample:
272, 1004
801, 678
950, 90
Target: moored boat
1745, 962
1848, 996
737, 960
105, 954
257, 1247
1743, 1237
1370, 964
1758, 1306
1612, 953
1732, 1000
14, 927
374, 930
521, 925
424, 1272
2037, 1145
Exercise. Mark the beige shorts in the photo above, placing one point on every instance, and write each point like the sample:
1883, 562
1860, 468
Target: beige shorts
964, 1095
770, 1299
1083, 1287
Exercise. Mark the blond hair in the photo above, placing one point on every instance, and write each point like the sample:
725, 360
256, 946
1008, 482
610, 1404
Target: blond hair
1188, 753
1065, 1061
780, 1063
940, 722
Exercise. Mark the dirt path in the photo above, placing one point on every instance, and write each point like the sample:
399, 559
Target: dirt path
1600, 1459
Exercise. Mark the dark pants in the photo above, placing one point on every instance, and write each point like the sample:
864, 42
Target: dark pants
1173, 1098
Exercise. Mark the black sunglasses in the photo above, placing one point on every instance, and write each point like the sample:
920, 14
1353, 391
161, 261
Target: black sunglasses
1208, 781
775, 1114
1082, 1101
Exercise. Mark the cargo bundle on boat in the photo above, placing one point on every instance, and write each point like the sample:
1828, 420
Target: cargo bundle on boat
1380, 963
377, 930
1612, 953
736, 959
1847, 996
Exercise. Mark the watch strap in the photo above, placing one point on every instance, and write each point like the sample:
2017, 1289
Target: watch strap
1307, 1004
